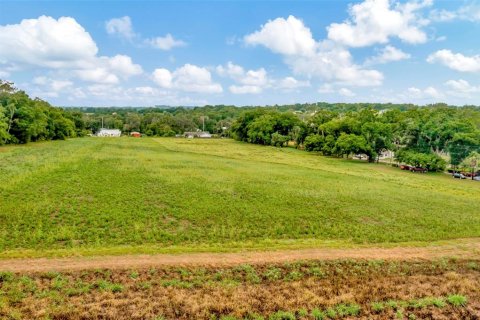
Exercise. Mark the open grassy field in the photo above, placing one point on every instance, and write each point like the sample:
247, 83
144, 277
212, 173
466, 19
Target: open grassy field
125, 195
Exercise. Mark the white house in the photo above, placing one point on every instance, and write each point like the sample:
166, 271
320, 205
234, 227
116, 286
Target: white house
197, 134
109, 133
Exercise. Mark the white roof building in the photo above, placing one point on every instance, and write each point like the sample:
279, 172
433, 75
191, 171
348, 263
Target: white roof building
109, 133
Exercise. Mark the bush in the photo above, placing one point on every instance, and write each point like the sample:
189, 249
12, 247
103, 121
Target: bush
318, 314
457, 300
314, 142
282, 315
377, 306
430, 161
279, 140
348, 310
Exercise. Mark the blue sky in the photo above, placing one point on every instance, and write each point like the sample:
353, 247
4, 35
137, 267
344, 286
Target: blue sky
242, 52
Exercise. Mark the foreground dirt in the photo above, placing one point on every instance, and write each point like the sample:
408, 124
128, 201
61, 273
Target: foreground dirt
462, 249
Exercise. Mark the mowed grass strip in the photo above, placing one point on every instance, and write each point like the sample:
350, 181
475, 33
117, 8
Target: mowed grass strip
95, 193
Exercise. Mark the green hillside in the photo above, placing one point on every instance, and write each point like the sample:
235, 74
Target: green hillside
95, 195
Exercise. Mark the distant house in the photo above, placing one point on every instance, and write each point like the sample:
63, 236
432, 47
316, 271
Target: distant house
109, 133
135, 134
197, 134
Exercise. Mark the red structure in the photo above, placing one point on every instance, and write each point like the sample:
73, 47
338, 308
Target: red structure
135, 134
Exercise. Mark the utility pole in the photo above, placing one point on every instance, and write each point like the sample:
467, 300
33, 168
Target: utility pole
474, 166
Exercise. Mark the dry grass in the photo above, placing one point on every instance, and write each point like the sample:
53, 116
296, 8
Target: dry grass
244, 291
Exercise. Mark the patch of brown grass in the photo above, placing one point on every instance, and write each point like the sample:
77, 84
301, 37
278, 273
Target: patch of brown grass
209, 291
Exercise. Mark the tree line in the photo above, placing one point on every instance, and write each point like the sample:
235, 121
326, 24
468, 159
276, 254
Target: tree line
23, 119
420, 136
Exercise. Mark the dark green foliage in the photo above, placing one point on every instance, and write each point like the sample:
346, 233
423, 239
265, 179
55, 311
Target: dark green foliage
267, 127
348, 144
430, 161
426, 131
23, 119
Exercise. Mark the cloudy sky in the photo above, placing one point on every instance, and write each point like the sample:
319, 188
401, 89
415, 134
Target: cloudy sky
242, 52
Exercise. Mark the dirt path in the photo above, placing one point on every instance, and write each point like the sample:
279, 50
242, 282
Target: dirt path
464, 248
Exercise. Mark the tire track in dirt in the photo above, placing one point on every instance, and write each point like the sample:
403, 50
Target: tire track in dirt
462, 249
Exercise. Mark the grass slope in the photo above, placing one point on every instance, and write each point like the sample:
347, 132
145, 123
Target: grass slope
96, 195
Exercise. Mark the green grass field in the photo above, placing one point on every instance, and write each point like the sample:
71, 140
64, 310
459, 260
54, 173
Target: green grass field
124, 195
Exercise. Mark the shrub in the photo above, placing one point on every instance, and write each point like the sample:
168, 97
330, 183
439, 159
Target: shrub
279, 140
430, 161
293, 275
6, 276
273, 274
317, 272
348, 309
331, 313
302, 312
318, 314
314, 142
282, 315
457, 300
377, 306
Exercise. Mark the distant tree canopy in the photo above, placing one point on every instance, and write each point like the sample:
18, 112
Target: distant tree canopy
418, 134
23, 119
336, 129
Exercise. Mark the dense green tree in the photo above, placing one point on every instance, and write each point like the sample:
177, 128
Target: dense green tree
429, 161
314, 142
348, 144
23, 119
279, 140
462, 145
4, 136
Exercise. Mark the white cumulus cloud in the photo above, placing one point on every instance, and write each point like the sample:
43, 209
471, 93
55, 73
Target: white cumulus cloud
256, 81
428, 93
346, 92
290, 83
306, 57
62, 45
250, 81
461, 88
246, 89
375, 21
46, 42
189, 78
469, 12
166, 43
162, 77
285, 36
388, 54
335, 64
109, 70
456, 61
48, 87
121, 27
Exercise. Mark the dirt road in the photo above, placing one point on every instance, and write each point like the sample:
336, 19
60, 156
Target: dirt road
464, 248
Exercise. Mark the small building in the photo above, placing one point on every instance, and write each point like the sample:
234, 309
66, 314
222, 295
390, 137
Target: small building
197, 134
109, 133
135, 134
